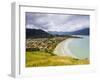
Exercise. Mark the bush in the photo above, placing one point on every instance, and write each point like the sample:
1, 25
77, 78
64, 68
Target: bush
32, 49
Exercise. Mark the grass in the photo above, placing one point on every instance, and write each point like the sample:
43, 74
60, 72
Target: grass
39, 58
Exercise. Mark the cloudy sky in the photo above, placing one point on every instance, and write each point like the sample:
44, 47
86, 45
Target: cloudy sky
56, 22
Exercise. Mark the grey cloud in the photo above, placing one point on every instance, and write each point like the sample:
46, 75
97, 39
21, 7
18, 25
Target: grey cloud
54, 21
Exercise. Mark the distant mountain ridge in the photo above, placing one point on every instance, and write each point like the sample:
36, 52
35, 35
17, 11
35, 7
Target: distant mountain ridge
84, 31
37, 33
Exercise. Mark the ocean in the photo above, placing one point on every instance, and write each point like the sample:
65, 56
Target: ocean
74, 47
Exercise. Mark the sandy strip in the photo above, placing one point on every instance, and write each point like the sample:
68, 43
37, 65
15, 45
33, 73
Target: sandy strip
62, 49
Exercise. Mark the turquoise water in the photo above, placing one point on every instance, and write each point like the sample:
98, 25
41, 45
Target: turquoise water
74, 47
80, 47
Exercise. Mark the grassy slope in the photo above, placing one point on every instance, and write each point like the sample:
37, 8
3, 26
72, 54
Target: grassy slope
38, 58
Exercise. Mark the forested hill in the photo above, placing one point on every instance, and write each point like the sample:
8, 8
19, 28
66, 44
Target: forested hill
37, 33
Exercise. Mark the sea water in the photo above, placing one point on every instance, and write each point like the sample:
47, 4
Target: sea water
74, 47
80, 47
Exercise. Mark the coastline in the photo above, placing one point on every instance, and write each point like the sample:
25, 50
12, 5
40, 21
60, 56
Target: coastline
60, 49
41, 58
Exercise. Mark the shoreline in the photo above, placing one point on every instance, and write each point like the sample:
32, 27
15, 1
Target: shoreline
72, 47
60, 49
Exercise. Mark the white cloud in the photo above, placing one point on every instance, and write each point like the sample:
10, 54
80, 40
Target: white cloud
31, 27
57, 22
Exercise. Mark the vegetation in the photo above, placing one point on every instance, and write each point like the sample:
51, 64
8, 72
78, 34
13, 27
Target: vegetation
43, 44
39, 58
39, 52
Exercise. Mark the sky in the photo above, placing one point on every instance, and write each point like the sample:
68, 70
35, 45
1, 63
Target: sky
56, 22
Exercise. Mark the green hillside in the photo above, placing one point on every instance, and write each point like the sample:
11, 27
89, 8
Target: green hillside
38, 58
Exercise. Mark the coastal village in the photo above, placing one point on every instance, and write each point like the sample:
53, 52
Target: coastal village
43, 44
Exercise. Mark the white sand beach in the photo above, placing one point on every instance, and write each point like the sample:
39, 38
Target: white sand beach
74, 47
62, 49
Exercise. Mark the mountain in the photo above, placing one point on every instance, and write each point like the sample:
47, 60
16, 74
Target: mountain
37, 33
84, 31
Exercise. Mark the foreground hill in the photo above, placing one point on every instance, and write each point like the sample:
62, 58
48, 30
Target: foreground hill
38, 59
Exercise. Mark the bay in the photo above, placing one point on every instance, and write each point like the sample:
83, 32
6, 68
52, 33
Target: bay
74, 47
